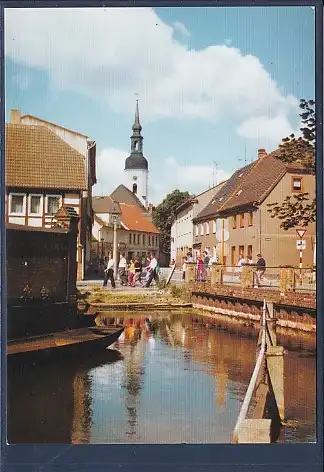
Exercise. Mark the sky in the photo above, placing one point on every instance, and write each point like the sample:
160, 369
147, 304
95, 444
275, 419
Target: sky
214, 84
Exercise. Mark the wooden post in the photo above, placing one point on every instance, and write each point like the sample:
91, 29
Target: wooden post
287, 280
275, 367
247, 276
216, 275
190, 272
254, 431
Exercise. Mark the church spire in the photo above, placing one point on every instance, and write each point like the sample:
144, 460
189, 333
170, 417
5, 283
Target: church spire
137, 126
137, 138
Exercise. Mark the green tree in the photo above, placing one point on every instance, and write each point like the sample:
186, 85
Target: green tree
298, 210
163, 214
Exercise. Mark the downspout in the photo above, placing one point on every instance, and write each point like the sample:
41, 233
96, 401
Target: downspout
260, 235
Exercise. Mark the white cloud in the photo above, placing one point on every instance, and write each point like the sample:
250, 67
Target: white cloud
113, 53
110, 164
182, 29
265, 128
194, 178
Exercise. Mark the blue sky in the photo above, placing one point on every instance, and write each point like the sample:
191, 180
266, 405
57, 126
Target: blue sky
214, 84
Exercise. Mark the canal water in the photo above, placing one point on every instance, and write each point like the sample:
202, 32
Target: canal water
170, 378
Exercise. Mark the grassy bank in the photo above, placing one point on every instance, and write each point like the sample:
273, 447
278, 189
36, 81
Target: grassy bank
170, 294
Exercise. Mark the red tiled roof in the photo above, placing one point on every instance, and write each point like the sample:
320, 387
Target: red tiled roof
37, 158
133, 218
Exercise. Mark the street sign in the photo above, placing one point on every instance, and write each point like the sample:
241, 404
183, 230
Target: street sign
301, 244
301, 232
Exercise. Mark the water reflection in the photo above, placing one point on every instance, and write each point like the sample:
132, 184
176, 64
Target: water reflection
172, 378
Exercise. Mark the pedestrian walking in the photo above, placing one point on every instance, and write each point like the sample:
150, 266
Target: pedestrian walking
122, 267
184, 268
109, 272
138, 271
152, 270
131, 273
261, 268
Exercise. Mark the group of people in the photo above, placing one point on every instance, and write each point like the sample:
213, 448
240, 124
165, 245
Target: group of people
202, 263
129, 273
260, 265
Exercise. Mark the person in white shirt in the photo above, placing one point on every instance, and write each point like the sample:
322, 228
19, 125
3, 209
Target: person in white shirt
122, 270
109, 272
240, 263
184, 268
152, 271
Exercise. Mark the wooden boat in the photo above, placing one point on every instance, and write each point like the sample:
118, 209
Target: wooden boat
71, 341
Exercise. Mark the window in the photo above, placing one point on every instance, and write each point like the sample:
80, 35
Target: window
135, 188
17, 203
296, 184
202, 229
149, 240
207, 228
242, 220
134, 238
214, 226
35, 205
249, 252
250, 218
241, 251
138, 239
53, 204
143, 239
233, 256
130, 238
234, 222
197, 230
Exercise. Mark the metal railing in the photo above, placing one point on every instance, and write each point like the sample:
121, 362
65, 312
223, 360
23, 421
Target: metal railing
305, 279
262, 410
270, 278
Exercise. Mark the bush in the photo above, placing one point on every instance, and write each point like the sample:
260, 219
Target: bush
176, 290
161, 284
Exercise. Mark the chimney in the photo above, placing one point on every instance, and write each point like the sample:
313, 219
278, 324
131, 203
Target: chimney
261, 153
15, 117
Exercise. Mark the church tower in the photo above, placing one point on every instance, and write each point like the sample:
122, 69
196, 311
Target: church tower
136, 166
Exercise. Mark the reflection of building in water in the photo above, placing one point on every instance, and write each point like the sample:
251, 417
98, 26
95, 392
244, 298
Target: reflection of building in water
134, 371
221, 377
81, 430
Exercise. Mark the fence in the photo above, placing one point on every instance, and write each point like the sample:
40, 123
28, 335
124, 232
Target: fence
263, 407
275, 278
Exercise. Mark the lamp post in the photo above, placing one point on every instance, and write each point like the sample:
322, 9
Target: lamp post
115, 218
102, 248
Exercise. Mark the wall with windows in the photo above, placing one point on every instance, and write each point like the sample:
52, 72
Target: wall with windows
33, 208
262, 234
208, 236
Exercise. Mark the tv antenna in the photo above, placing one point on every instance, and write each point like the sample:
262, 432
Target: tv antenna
214, 172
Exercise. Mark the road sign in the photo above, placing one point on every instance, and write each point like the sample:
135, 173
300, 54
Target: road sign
301, 232
301, 244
